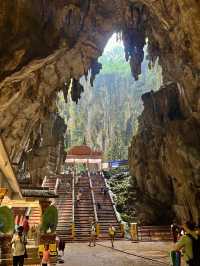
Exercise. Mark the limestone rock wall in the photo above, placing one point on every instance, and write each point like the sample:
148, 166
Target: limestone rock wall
165, 154
44, 153
46, 45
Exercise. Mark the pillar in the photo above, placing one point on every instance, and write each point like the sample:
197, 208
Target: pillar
134, 232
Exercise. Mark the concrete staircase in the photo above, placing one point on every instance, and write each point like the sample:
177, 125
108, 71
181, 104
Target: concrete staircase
106, 213
84, 211
35, 216
63, 204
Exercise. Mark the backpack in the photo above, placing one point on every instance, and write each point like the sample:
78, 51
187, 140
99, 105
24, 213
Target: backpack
93, 229
195, 261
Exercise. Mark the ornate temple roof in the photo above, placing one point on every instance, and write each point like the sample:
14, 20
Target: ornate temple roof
83, 150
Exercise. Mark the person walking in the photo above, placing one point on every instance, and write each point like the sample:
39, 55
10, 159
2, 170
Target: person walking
18, 245
26, 226
111, 232
61, 247
46, 256
175, 231
78, 198
92, 234
98, 205
190, 245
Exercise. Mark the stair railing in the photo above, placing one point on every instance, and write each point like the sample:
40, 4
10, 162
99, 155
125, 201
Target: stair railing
73, 203
117, 214
119, 220
94, 205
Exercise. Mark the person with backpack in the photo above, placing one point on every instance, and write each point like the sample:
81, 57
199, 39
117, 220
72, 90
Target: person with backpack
111, 232
19, 248
92, 234
190, 245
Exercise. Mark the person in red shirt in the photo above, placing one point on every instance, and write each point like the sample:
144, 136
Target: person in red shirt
25, 226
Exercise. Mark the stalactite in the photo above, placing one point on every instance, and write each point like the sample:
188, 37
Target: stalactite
76, 90
134, 39
95, 69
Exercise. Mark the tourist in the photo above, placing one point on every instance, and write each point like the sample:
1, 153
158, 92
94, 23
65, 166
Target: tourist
61, 247
78, 198
46, 256
68, 186
26, 226
19, 248
111, 232
57, 243
105, 192
186, 244
98, 206
92, 234
175, 231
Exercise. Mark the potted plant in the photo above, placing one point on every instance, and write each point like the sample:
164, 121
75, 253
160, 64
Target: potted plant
49, 224
6, 231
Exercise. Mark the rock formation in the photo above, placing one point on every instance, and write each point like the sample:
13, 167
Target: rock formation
165, 152
45, 45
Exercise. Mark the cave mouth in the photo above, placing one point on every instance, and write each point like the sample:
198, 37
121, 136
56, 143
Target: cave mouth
105, 117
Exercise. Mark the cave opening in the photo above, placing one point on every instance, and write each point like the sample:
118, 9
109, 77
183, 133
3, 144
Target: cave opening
105, 116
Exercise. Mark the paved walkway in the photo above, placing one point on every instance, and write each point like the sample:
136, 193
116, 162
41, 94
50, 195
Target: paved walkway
79, 254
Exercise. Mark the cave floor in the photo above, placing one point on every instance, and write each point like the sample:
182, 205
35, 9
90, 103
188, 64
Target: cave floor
77, 254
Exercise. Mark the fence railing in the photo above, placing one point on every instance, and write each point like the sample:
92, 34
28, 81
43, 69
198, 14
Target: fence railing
112, 201
153, 233
73, 204
93, 198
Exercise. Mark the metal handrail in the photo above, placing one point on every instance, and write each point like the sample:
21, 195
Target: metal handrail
73, 196
119, 220
93, 199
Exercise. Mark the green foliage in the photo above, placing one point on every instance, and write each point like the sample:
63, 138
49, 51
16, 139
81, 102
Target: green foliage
113, 62
50, 219
125, 190
6, 220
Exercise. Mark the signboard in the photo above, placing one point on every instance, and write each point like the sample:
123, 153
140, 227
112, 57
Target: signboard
117, 163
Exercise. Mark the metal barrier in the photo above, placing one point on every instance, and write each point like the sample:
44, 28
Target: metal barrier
118, 217
154, 233
73, 203
94, 205
112, 201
